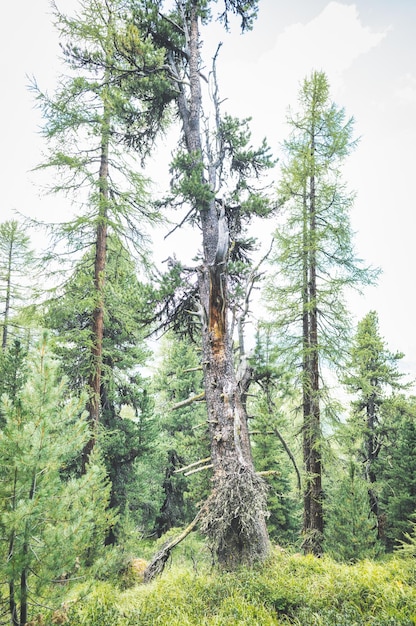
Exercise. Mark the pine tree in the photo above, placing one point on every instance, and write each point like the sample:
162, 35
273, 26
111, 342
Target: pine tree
315, 263
127, 423
395, 469
49, 524
183, 432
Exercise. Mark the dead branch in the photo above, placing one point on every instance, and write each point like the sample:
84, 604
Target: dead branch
269, 473
157, 564
184, 469
188, 401
199, 469
288, 451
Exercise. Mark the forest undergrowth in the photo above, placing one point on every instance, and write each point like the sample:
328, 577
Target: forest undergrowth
288, 588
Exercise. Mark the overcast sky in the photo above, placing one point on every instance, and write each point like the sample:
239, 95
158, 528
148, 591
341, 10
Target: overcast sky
368, 51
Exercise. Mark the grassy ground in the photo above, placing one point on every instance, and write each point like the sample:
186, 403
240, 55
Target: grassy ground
287, 589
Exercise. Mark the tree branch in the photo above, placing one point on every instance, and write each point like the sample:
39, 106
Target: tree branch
188, 401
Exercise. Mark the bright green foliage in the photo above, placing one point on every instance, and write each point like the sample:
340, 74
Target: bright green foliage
295, 590
16, 263
314, 236
350, 529
103, 118
373, 372
315, 264
49, 525
70, 311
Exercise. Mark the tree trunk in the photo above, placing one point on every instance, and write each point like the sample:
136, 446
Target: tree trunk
97, 326
313, 507
235, 518
373, 446
7, 300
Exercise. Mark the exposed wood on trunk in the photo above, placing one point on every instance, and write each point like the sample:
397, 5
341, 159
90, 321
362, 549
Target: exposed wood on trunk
97, 326
227, 419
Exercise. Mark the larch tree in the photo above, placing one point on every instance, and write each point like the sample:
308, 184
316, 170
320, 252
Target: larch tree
212, 171
16, 257
124, 391
103, 116
315, 263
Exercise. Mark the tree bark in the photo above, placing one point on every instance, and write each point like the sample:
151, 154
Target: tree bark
242, 535
97, 325
313, 524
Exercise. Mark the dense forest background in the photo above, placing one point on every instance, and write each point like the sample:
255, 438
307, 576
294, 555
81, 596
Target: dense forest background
219, 395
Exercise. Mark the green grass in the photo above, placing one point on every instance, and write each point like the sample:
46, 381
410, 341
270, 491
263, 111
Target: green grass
287, 589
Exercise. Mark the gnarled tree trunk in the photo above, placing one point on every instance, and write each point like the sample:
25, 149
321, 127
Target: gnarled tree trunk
235, 516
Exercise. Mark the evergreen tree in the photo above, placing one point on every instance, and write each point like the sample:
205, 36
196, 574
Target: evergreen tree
127, 424
183, 436
395, 470
16, 261
114, 97
350, 529
373, 376
49, 525
213, 177
315, 263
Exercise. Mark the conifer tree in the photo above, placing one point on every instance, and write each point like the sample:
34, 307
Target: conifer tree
395, 469
350, 528
109, 109
373, 376
315, 263
49, 524
213, 174
183, 431
127, 421
16, 259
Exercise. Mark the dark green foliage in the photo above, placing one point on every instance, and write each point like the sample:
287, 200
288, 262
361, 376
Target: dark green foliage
274, 447
13, 369
373, 376
396, 469
351, 528
127, 425
173, 510
17, 261
183, 435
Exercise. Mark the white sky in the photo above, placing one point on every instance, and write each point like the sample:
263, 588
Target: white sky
367, 49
